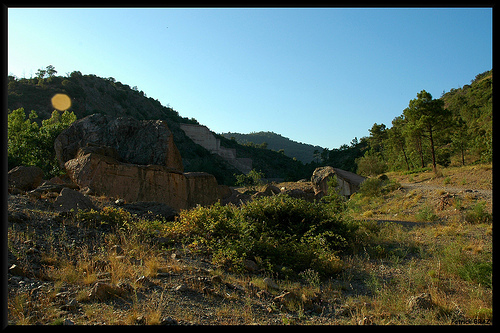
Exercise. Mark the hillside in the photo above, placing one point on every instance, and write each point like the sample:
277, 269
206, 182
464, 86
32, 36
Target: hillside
301, 151
92, 94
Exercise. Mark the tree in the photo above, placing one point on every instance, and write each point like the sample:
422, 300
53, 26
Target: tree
30, 144
396, 138
378, 136
460, 137
50, 70
427, 116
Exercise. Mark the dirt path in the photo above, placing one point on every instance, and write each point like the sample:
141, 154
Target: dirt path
485, 194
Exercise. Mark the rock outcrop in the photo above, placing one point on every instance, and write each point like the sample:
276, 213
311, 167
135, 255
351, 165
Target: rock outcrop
135, 141
347, 182
133, 160
132, 182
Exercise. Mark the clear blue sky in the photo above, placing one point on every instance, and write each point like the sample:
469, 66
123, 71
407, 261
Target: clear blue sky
319, 76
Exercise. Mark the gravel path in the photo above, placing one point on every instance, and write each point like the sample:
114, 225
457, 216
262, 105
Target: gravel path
486, 194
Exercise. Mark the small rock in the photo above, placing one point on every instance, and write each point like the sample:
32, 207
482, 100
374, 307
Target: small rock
68, 322
101, 291
141, 320
168, 321
420, 302
250, 265
71, 305
144, 281
125, 288
365, 321
116, 250
120, 202
270, 283
216, 279
181, 287
16, 270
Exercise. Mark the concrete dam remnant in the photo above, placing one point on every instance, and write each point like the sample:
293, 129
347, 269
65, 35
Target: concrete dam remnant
202, 136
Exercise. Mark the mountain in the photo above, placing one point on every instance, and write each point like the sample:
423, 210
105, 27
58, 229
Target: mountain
301, 151
92, 94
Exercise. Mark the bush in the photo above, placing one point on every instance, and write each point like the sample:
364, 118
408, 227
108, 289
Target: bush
478, 214
31, 144
277, 232
373, 187
250, 180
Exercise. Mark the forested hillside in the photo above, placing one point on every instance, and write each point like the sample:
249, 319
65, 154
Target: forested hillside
455, 129
92, 94
304, 152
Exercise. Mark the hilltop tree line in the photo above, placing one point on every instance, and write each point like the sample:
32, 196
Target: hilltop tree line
456, 128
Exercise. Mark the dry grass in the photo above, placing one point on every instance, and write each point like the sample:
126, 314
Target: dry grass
388, 264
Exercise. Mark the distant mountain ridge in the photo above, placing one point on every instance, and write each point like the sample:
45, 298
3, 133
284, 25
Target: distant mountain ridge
301, 151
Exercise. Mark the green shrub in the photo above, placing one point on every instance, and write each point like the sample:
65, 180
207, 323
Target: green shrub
31, 144
250, 180
373, 187
478, 214
426, 213
280, 232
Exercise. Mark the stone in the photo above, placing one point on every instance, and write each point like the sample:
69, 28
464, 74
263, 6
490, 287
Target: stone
134, 141
25, 178
347, 182
70, 199
101, 291
250, 265
181, 287
150, 183
16, 270
320, 178
144, 282
270, 283
168, 321
71, 305
116, 250
420, 302
17, 217
270, 190
68, 322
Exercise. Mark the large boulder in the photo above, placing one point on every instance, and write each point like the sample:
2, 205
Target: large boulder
25, 177
131, 182
347, 182
135, 141
320, 178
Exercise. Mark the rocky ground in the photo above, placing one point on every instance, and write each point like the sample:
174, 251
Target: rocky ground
64, 271
181, 288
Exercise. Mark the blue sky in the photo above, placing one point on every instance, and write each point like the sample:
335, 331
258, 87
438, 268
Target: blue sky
316, 75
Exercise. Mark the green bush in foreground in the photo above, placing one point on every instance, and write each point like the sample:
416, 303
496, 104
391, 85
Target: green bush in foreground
280, 233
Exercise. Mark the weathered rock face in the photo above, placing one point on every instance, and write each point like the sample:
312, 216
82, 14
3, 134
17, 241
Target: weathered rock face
320, 178
135, 141
347, 182
25, 177
132, 182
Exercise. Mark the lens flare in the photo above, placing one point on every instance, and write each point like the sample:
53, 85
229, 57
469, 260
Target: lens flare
61, 102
